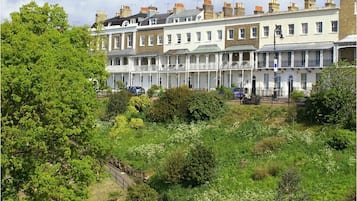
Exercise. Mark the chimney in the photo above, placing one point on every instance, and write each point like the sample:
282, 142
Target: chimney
239, 10
227, 10
274, 6
125, 11
208, 9
100, 17
293, 7
330, 4
258, 10
144, 10
179, 7
310, 4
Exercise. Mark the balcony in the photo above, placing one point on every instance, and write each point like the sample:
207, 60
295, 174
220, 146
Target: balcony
173, 67
146, 68
118, 69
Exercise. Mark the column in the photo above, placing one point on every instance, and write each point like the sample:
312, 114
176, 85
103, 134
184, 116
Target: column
122, 41
209, 81
321, 58
230, 78
134, 40
240, 58
198, 62
230, 59
292, 59
279, 59
251, 60
306, 58
110, 43
267, 55
207, 61
198, 80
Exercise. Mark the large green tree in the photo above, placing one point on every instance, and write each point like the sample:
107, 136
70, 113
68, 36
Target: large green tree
47, 105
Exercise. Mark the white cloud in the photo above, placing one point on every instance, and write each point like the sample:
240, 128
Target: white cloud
82, 12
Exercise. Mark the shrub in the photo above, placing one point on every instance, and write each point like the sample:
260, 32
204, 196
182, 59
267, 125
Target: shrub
226, 93
289, 189
142, 192
268, 144
152, 91
118, 103
260, 173
136, 123
296, 95
120, 126
338, 139
199, 166
161, 111
204, 106
141, 103
173, 167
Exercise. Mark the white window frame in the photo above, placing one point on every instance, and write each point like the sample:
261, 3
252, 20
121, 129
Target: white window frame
242, 34
334, 26
142, 41
169, 39
304, 28
151, 40
254, 32
198, 36
265, 31
209, 35
219, 35
303, 81
319, 27
116, 42
129, 41
188, 37
179, 38
230, 34
159, 40
291, 29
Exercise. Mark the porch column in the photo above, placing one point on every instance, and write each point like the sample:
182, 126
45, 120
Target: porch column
122, 41
251, 60
110, 42
198, 80
306, 58
267, 55
321, 58
279, 59
292, 59
209, 81
230, 78
240, 59
230, 59
198, 62
207, 61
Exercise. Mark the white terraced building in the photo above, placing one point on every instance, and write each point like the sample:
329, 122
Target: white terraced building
264, 53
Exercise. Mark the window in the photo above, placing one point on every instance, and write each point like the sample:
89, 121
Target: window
278, 30
117, 61
151, 40
303, 54
318, 27
219, 34
318, 77
116, 42
169, 39
178, 36
317, 57
130, 41
289, 58
188, 37
230, 34
198, 36
242, 33
266, 31
209, 35
176, 20
142, 40
153, 21
334, 26
253, 32
104, 43
159, 39
303, 81
304, 28
291, 29
188, 19
266, 81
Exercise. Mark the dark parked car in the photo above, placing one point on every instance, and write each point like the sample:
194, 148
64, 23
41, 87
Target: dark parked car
136, 90
238, 93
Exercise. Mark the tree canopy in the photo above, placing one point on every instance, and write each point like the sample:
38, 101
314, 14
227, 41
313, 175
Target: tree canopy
47, 103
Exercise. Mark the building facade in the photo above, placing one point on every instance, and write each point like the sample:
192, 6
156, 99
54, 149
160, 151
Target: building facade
265, 53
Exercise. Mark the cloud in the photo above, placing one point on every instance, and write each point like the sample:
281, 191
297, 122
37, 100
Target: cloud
82, 12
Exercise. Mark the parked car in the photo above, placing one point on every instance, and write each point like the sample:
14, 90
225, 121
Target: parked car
136, 90
238, 93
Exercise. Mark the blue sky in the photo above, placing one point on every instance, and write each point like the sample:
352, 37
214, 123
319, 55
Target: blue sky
82, 12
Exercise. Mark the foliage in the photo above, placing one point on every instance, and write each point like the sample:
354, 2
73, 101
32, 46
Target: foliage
204, 106
296, 95
142, 192
173, 104
271, 169
141, 103
333, 99
268, 144
199, 166
47, 105
120, 84
120, 126
118, 103
173, 167
153, 89
136, 123
147, 152
339, 139
289, 188
226, 93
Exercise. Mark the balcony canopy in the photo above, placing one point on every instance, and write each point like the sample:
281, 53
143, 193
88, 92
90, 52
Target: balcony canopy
296, 47
177, 51
206, 49
240, 48
126, 52
348, 40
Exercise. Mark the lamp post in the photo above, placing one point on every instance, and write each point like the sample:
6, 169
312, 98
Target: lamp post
277, 27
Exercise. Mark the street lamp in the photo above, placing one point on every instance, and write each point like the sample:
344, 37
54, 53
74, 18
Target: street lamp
277, 28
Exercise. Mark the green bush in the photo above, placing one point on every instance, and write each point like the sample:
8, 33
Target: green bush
296, 95
289, 188
118, 103
172, 104
136, 123
204, 106
268, 144
173, 167
338, 139
260, 173
199, 166
152, 91
141, 103
226, 93
142, 192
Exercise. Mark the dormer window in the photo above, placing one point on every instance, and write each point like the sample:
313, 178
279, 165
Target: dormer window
125, 23
153, 21
132, 21
188, 19
176, 20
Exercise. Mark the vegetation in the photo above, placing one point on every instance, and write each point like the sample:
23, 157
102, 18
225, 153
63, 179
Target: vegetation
48, 104
118, 103
333, 99
142, 192
204, 106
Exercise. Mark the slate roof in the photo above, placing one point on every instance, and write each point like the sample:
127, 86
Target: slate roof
161, 19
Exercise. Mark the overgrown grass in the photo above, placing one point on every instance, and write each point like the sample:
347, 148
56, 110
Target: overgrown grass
253, 145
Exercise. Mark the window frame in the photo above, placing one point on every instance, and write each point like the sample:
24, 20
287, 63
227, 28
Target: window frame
334, 26
209, 35
178, 38
219, 35
230, 33
150, 40
129, 41
254, 34
169, 39
303, 81
319, 27
304, 28
159, 40
188, 37
142, 41
265, 31
242, 31
198, 36
291, 29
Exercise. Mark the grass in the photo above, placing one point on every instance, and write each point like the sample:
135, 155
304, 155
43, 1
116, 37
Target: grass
254, 146
106, 190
